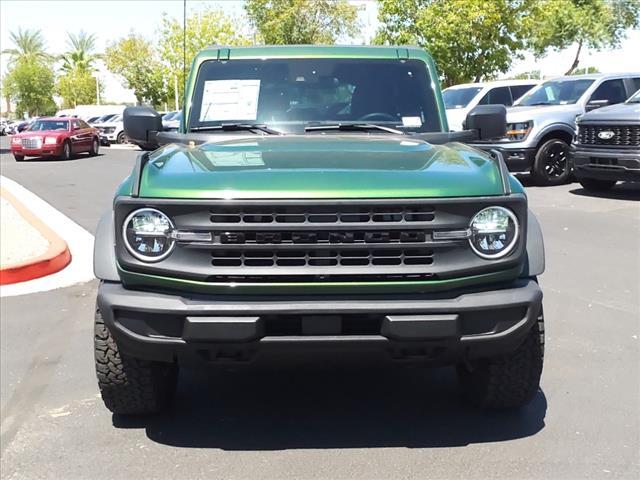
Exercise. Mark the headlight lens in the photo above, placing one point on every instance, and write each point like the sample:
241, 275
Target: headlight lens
518, 131
50, 140
494, 232
147, 234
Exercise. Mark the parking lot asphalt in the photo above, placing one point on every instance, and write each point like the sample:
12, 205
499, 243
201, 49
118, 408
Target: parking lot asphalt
336, 417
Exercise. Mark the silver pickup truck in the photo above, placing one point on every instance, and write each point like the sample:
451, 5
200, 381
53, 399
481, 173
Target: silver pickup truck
542, 124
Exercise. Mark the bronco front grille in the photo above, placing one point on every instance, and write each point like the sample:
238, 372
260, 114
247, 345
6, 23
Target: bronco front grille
289, 241
32, 143
609, 135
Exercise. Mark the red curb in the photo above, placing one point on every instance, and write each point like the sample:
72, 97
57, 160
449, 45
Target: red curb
53, 260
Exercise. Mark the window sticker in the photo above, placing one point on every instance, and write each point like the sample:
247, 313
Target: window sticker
411, 122
224, 100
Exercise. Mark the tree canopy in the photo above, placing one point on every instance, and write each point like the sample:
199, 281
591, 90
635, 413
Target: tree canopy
134, 60
469, 40
30, 84
81, 53
27, 45
291, 22
595, 24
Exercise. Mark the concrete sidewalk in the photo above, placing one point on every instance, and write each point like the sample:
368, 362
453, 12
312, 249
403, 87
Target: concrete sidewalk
29, 249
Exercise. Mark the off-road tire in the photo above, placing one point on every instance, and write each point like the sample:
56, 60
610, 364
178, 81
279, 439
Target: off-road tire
552, 164
596, 185
19, 158
130, 386
507, 381
95, 147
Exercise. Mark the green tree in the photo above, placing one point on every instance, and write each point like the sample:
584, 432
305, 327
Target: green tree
205, 29
27, 45
297, 22
594, 24
30, 84
77, 87
134, 59
81, 53
585, 70
468, 39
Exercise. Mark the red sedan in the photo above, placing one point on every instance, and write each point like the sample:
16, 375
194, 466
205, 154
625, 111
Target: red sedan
57, 137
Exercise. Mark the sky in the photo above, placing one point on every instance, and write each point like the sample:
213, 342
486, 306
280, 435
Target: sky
112, 19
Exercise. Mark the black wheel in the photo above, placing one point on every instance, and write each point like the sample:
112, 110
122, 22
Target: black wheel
128, 385
551, 165
507, 381
121, 138
66, 151
19, 158
95, 145
596, 185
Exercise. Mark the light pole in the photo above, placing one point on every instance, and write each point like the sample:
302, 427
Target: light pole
97, 90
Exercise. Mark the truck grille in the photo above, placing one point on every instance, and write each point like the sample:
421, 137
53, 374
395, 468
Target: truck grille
294, 241
622, 136
32, 143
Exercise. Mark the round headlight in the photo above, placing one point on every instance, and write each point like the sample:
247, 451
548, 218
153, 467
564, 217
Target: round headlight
146, 234
494, 232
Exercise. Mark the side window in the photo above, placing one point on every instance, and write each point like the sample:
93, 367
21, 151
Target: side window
518, 90
497, 96
636, 84
611, 90
74, 124
83, 124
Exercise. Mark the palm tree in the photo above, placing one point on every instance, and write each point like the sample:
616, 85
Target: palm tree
29, 45
81, 54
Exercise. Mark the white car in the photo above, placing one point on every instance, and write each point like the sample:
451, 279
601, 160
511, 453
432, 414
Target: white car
112, 131
460, 99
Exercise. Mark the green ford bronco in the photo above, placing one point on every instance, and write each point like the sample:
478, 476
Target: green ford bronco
313, 199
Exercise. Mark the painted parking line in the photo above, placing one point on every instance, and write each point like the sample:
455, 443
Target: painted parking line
79, 241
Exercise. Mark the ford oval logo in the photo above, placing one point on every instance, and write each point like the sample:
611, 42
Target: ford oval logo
606, 134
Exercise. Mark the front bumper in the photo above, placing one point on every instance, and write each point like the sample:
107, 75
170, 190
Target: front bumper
53, 149
438, 328
606, 163
517, 157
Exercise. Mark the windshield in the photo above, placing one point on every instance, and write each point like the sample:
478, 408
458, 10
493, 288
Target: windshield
459, 97
635, 98
41, 125
289, 94
556, 92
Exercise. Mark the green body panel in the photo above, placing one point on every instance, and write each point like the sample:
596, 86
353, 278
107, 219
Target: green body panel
302, 288
312, 51
320, 166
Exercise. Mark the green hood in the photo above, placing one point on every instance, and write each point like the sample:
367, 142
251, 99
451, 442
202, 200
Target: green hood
320, 166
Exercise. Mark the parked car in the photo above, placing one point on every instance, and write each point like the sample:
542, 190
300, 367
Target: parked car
3, 127
112, 130
542, 124
606, 149
17, 127
459, 100
172, 122
314, 200
60, 137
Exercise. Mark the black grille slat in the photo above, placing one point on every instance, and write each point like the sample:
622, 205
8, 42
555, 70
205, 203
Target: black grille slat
623, 135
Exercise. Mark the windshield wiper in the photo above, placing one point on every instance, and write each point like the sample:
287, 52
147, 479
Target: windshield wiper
536, 104
352, 127
233, 127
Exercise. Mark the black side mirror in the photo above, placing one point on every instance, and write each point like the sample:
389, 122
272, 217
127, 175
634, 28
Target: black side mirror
141, 125
593, 104
489, 121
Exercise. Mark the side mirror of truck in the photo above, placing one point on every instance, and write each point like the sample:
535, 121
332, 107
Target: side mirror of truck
593, 104
141, 125
489, 121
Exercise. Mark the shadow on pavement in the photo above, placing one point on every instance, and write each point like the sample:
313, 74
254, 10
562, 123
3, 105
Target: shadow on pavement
622, 191
75, 158
330, 405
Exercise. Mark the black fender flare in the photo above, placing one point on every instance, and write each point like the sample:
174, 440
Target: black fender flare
104, 250
535, 262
